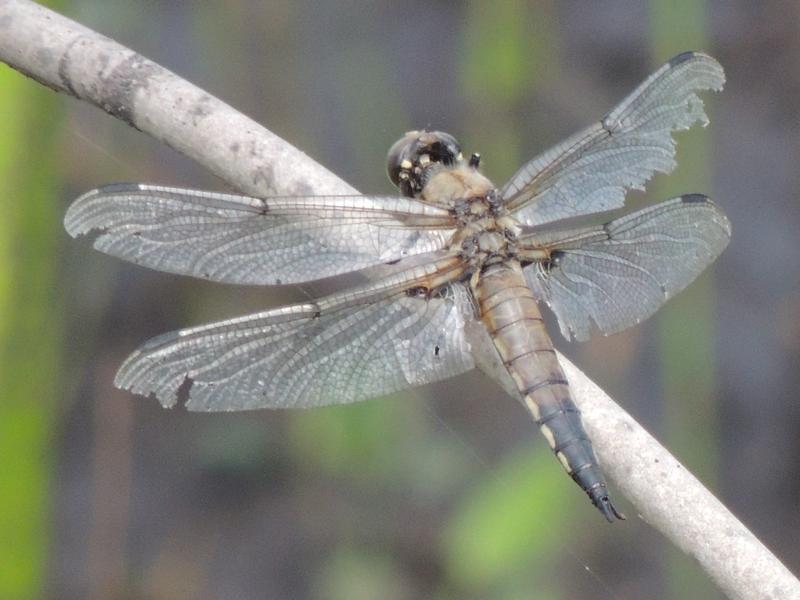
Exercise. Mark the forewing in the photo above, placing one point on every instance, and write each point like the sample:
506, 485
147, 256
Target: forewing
591, 171
238, 239
621, 273
304, 355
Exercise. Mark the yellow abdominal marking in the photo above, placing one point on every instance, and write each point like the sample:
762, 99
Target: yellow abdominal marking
520, 384
564, 461
534, 408
548, 434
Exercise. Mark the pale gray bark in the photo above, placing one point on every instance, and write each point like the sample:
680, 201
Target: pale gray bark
671, 499
70, 58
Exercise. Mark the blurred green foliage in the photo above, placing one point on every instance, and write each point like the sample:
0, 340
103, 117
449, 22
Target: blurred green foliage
504, 530
30, 329
354, 440
356, 574
686, 322
509, 50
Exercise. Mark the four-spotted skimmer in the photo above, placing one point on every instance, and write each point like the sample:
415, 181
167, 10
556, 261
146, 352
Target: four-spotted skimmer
455, 269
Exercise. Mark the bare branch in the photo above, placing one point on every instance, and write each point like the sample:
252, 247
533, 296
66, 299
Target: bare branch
70, 58
671, 499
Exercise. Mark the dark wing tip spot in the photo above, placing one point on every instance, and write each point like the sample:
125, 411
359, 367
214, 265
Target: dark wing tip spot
119, 188
682, 58
694, 199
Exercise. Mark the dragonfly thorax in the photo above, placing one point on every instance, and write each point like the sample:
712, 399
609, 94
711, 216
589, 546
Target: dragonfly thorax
487, 234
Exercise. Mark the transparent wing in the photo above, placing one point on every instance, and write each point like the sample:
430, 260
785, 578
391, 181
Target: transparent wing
238, 239
591, 171
338, 350
621, 273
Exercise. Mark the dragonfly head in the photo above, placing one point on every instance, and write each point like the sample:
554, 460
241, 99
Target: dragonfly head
412, 156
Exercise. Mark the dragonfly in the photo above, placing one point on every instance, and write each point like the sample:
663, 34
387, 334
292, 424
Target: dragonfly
454, 269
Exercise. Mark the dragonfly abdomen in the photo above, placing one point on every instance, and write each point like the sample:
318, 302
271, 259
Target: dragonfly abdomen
512, 318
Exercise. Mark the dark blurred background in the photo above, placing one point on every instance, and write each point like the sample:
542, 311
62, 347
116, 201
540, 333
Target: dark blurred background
447, 492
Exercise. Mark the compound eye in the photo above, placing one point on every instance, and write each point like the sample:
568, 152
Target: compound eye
400, 155
410, 157
443, 148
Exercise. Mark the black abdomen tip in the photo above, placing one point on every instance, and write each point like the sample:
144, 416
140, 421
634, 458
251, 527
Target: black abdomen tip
600, 499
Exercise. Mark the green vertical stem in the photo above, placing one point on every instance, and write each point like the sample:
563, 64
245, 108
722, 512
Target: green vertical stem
30, 329
509, 48
685, 325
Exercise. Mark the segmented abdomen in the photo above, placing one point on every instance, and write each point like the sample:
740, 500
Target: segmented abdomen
510, 313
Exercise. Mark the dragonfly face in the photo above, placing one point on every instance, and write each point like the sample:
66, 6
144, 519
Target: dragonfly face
412, 158
456, 269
